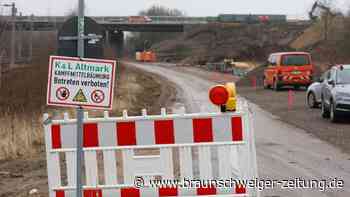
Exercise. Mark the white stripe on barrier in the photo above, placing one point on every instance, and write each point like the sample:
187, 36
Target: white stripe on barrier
186, 165
167, 167
71, 168
205, 164
68, 136
107, 135
91, 168
110, 167
183, 126
225, 167
220, 126
144, 132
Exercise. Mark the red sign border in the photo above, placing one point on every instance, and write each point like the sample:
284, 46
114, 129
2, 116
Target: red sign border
63, 88
98, 91
63, 104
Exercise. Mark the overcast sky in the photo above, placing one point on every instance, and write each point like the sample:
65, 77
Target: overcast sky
293, 8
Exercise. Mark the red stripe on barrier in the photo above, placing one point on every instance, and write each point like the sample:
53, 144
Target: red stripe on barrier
92, 193
168, 192
202, 130
126, 133
59, 193
130, 192
56, 136
90, 135
237, 129
206, 191
240, 189
164, 132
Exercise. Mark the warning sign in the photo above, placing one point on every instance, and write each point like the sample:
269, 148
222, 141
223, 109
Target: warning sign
97, 96
77, 82
62, 93
80, 97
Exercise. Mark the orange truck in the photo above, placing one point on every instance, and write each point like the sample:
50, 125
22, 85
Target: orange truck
288, 69
146, 56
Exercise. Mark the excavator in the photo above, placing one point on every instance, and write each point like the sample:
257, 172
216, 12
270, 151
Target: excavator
326, 11
318, 6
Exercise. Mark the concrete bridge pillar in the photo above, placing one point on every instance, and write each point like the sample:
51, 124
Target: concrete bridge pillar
107, 38
117, 41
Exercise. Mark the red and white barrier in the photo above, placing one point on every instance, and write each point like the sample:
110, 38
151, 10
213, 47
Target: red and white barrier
208, 146
153, 192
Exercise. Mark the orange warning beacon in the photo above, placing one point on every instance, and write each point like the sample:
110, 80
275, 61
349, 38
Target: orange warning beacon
224, 96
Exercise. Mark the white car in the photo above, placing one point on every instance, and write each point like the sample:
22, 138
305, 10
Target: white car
313, 94
336, 93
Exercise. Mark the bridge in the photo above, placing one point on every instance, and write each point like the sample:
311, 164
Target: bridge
111, 28
112, 23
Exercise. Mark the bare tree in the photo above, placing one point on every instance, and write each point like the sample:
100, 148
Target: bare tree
145, 40
157, 10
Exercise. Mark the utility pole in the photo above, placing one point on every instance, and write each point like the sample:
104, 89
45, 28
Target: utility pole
81, 27
19, 44
13, 35
30, 55
80, 111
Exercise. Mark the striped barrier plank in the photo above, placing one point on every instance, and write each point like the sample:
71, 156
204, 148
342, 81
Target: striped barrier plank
209, 146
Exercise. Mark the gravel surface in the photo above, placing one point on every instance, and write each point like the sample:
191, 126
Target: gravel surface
299, 115
284, 151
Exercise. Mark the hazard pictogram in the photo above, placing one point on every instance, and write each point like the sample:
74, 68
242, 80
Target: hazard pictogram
97, 96
80, 97
74, 90
62, 93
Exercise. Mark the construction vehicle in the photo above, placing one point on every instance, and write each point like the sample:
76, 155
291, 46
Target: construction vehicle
325, 12
317, 6
146, 56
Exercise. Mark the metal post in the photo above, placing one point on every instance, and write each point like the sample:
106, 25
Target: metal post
81, 26
80, 118
80, 111
13, 35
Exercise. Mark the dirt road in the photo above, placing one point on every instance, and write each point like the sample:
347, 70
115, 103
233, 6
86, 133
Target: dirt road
284, 151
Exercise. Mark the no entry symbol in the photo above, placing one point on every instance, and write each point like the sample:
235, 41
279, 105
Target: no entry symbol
62, 93
97, 96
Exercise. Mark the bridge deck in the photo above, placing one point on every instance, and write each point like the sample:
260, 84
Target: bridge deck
115, 20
